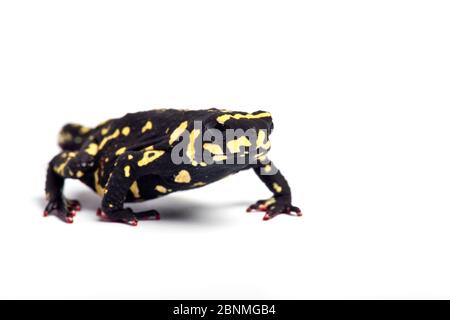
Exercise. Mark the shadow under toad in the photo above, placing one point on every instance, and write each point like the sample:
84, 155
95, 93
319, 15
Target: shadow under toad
173, 208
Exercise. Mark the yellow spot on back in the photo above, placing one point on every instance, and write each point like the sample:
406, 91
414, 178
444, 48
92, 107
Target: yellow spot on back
178, 131
216, 150
261, 156
213, 148
150, 156
92, 149
108, 138
80, 174
235, 145
84, 130
135, 190
126, 131
277, 187
260, 141
120, 151
104, 131
220, 158
161, 189
148, 126
190, 151
130, 157
261, 138
224, 118
127, 171
183, 177
149, 148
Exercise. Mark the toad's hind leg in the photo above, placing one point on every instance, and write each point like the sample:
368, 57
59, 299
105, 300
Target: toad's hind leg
129, 167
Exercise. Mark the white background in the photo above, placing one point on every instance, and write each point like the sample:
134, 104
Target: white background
359, 92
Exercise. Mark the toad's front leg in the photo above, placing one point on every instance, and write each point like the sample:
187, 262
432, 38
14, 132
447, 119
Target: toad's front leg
128, 168
57, 172
68, 165
281, 202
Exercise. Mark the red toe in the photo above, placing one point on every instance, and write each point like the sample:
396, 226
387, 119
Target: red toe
104, 215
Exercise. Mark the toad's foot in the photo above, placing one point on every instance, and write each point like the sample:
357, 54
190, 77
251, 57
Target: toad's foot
64, 208
274, 207
128, 216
